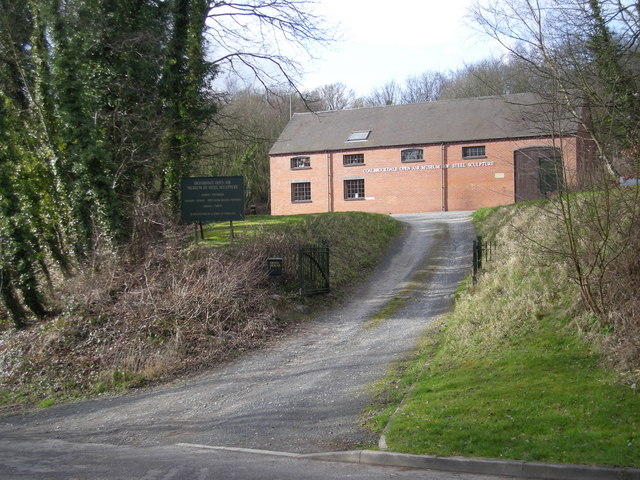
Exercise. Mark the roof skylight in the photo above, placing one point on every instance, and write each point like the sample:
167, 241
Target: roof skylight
360, 136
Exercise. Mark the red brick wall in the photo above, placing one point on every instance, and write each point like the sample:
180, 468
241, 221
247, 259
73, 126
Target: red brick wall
392, 186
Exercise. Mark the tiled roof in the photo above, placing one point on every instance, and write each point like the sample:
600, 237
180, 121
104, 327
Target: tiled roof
460, 120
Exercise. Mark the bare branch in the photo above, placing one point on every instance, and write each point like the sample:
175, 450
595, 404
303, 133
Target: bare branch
264, 40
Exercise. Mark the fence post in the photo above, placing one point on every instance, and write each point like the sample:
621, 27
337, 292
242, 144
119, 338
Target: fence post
475, 260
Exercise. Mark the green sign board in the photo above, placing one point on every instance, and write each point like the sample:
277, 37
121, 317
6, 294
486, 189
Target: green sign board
212, 199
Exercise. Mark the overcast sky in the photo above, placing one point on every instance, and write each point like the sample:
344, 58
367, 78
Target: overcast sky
383, 41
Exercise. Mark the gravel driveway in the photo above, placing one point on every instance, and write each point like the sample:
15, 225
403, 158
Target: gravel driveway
303, 393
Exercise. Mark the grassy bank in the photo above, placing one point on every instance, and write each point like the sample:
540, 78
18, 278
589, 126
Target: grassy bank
182, 307
512, 373
219, 234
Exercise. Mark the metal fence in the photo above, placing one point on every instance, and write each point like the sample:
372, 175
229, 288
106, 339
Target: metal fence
483, 252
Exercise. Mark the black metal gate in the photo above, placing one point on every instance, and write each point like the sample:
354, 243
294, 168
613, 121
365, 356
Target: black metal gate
313, 269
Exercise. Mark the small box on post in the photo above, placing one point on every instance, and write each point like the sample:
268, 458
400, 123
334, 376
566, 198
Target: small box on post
274, 266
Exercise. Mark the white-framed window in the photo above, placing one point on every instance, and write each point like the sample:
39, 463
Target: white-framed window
412, 155
300, 192
478, 151
353, 159
354, 189
300, 162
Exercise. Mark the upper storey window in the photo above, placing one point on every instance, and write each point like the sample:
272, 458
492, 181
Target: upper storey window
474, 152
353, 159
300, 162
412, 155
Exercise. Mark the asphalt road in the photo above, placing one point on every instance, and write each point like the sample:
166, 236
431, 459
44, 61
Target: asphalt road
302, 394
59, 460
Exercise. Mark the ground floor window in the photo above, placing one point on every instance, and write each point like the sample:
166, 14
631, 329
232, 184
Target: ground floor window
301, 192
354, 189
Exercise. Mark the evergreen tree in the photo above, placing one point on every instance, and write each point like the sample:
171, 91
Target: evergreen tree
186, 78
103, 103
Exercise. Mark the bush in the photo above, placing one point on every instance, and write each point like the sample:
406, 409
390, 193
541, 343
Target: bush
174, 307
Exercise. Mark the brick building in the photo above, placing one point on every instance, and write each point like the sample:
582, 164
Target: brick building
438, 156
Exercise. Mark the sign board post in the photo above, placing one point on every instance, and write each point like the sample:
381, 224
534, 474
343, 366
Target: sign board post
212, 199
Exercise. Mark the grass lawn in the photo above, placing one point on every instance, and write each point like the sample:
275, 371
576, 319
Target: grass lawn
218, 234
542, 397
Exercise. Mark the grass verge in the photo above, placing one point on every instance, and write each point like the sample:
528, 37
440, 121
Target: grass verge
509, 375
540, 398
390, 391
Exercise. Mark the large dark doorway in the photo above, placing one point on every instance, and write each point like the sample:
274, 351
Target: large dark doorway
538, 172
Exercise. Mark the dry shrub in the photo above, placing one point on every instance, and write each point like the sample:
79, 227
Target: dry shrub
605, 263
150, 224
620, 327
177, 310
5, 319
182, 311
164, 307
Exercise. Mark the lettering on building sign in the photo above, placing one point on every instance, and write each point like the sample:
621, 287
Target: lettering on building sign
428, 167
212, 199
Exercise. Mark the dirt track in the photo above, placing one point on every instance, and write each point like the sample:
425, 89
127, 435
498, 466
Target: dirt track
302, 394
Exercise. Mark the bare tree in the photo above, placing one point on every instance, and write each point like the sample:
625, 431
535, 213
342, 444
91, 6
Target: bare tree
579, 51
425, 87
262, 40
584, 57
493, 76
334, 96
246, 125
388, 94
